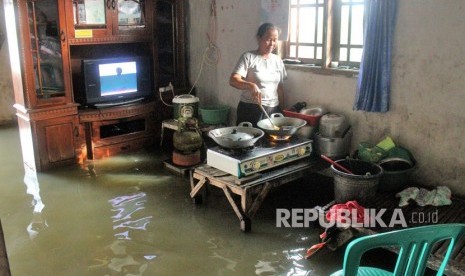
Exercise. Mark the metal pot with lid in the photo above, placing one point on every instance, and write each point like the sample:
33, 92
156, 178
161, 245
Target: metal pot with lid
242, 136
333, 125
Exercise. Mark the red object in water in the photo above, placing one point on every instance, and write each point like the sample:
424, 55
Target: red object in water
352, 207
315, 248
336, 164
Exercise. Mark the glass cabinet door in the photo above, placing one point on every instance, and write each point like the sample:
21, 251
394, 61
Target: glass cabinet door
46, 48
100, 18
90, 13
131, 14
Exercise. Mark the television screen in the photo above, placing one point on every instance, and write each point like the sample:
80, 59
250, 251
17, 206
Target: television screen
114, 81
118, 78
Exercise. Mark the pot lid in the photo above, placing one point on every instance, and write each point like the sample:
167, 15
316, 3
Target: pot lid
185, 99
331, 117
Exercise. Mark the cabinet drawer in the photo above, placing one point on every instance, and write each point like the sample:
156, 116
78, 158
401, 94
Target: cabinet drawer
113, 149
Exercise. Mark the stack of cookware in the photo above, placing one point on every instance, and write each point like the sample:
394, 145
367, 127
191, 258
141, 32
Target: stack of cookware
334, 136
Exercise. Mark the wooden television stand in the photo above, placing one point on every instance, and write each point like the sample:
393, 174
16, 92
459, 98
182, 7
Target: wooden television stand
112, 130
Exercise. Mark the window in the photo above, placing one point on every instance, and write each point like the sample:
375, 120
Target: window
325, 32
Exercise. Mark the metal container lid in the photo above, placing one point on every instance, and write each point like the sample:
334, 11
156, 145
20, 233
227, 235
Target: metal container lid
185, 99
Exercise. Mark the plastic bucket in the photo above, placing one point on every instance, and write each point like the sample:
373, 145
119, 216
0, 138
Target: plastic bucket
214, 114
396, 174
185, 106
361, 185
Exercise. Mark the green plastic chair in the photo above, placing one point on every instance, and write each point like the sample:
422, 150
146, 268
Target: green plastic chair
414, 244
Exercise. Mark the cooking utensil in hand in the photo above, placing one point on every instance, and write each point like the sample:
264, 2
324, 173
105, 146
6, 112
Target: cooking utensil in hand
268, 116
336, 164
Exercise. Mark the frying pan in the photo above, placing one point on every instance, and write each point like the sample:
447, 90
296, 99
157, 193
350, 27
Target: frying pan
286, 126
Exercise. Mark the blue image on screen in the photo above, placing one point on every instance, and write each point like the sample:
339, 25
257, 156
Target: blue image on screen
118, 78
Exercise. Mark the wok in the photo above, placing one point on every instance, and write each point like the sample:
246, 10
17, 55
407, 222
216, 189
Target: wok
242, 136
286, 126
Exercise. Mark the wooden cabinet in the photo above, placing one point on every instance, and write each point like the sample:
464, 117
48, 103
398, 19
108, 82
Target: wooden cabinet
58, 141
170, 39
39, 54
108, 21
118, 129
48, 39
43, 51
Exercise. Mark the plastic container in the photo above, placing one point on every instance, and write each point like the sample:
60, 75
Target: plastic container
399, 153
185, 106
394, 179
214, 114
312, 120
370, 153
360, 186
386, 144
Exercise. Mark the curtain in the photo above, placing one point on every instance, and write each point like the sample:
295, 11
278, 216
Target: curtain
373, 87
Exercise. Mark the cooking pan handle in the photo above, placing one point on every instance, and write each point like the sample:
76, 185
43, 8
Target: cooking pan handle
212, 135
276, 115
245, 124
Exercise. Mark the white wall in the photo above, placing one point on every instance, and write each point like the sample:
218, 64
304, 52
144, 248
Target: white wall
6, 86
427, 112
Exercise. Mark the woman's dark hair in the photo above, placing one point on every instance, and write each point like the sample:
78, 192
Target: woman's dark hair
264, 28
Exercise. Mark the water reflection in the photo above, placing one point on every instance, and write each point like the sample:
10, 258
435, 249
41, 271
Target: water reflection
38, 222
288, 262
216, 245
125, 207
124, 257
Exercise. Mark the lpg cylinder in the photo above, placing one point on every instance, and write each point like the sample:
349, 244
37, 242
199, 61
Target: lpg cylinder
187, 138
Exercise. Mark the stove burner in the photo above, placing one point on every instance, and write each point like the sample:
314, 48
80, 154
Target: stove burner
280, 138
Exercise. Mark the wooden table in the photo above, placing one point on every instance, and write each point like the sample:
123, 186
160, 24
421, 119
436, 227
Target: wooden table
252, 189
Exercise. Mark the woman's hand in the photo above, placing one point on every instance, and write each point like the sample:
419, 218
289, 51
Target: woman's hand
256, 93
238, 82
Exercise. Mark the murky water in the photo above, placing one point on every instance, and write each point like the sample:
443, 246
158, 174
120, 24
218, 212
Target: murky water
126, 215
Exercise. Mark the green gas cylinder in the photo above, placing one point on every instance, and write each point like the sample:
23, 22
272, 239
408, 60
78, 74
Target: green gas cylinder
187, 138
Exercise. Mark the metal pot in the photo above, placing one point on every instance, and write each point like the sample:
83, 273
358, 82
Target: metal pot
333, 125
333, 147
313, 111
287, 125
307, 132
242, 136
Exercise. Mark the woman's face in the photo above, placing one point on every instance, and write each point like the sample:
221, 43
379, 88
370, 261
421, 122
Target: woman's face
267, 43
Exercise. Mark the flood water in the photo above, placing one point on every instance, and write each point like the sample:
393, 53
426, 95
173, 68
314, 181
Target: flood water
127, 215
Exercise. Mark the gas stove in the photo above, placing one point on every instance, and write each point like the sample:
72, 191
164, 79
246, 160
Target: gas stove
264, 155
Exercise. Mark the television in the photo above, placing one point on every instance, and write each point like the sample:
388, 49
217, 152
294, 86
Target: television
115, 81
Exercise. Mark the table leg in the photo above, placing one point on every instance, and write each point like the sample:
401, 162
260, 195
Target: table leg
198, 199
259, 199
162, 133
245, 222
